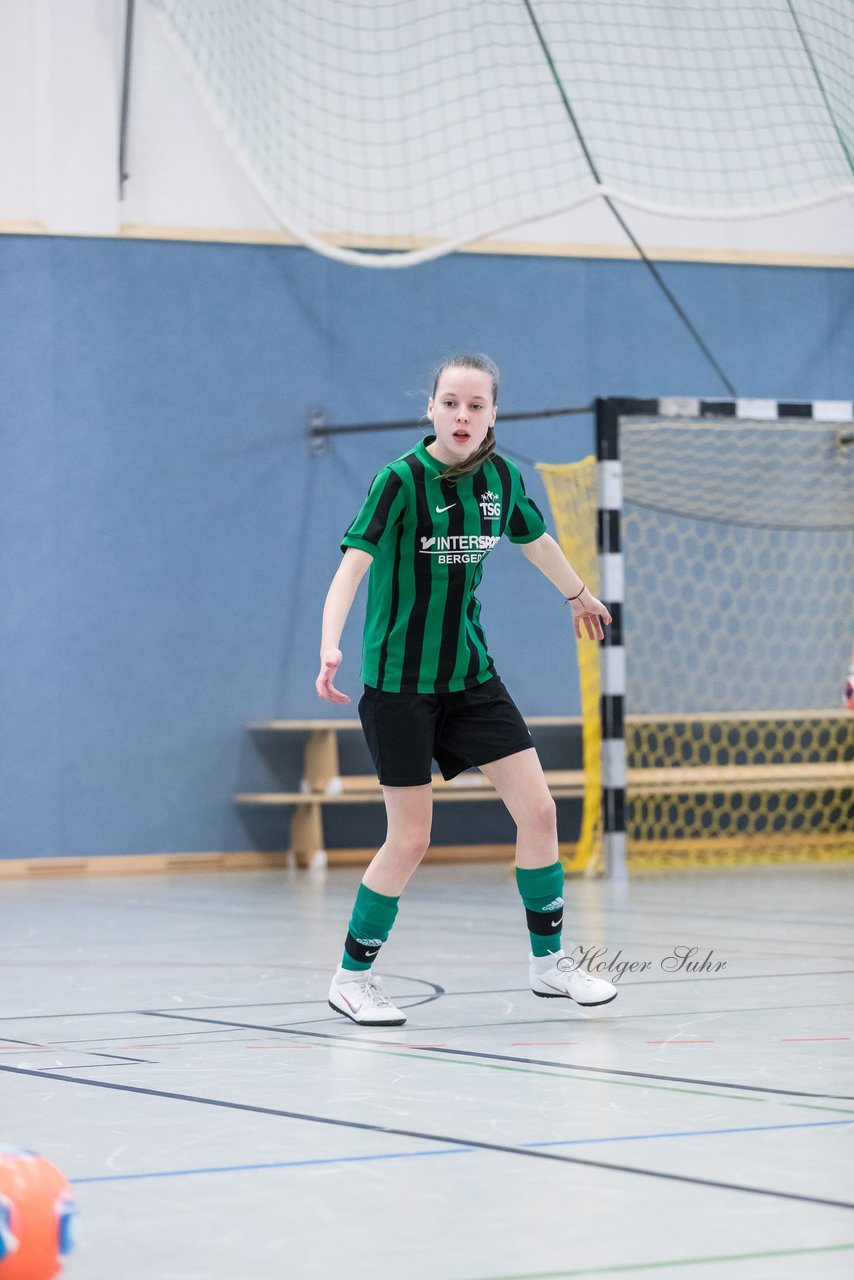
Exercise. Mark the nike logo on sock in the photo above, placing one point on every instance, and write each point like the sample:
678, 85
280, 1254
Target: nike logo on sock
557, 923
372, 953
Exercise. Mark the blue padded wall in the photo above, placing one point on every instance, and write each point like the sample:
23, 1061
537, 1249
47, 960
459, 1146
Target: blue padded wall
167, 537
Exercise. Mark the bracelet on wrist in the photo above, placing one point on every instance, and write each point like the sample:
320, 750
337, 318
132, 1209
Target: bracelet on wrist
569, 599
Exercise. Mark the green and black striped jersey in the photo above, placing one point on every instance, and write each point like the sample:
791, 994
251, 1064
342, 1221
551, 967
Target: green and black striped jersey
429, 537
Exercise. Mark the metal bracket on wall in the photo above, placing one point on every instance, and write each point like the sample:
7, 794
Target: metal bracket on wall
317, 432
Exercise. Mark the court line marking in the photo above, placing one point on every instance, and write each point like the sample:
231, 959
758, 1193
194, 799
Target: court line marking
645, 912
295, 1031
445, 1139
273, 1164
809, 1106
669, 1262
371, 1047
634, 932
435, 991
734, 977
451, 1151
632, 1016
30, 1048
99, 1066
63, 1044
58, 1049
402, 1049
491, 991
510, 1058
217, 964
212, 906
399, 1049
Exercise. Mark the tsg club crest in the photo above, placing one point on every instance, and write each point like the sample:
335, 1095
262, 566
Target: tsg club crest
490, 505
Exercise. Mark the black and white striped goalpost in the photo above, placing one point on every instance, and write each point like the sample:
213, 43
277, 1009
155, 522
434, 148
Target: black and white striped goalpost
611, 571
611, 590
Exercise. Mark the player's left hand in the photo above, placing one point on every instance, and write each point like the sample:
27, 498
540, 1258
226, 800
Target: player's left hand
592, 613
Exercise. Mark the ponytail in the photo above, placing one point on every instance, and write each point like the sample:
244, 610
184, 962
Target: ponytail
472, 464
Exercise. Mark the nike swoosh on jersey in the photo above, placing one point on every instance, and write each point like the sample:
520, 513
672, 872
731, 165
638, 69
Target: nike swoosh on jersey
439, 510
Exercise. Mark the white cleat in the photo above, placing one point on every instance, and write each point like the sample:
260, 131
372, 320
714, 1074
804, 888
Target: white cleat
357, 994
565, 978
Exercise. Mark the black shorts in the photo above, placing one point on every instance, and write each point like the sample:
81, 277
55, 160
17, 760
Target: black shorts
405, 732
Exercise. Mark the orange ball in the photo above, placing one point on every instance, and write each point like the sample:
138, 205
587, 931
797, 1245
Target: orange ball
36, 1211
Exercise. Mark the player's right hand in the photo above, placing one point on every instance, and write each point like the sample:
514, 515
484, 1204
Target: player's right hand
330, 661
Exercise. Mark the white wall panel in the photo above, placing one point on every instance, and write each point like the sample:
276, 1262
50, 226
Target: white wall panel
18, 125
60, 72
60, 87
182, 174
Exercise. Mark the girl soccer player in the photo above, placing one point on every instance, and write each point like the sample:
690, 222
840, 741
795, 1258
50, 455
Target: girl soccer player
431, 689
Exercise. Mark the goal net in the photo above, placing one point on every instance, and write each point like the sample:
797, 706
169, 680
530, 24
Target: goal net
735, 546
571, 488
417, 127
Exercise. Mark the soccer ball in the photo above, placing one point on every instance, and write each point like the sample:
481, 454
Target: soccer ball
36, 1212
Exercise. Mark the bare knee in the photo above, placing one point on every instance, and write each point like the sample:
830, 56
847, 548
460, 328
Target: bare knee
408, 846
540, 816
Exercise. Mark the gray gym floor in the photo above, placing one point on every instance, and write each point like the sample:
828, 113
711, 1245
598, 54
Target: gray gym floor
167, 1042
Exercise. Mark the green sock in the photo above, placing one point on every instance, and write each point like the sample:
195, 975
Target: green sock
370, 924
542, 893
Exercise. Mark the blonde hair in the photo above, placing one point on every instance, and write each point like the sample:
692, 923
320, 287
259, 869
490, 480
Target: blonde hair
487, 449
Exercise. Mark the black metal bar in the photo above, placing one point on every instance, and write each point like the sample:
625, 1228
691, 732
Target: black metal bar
123, 127
591, 164
671, 298
608, 414
840, 137
350, 428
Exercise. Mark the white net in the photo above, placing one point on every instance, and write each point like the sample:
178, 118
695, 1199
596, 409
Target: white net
739, 541
425, 126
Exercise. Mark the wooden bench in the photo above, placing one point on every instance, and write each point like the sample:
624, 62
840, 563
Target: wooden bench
323, 785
